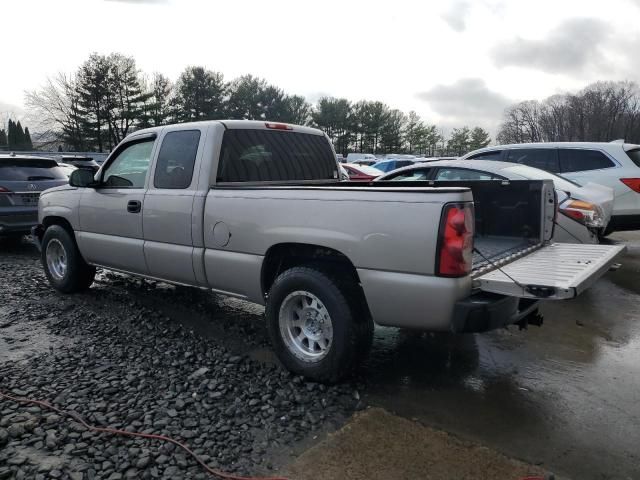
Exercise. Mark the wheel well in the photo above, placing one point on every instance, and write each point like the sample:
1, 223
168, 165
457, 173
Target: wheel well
63, 222
283, 256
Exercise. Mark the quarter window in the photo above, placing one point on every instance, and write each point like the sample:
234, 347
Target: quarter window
542, 158
577, 160
129, 169
174, 168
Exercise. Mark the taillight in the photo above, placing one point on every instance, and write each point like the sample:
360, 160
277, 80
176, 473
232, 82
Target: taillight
632, 183
455, 245
278, 126
587, 213
4, 190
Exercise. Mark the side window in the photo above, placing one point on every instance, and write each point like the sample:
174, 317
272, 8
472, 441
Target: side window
463, 174
174, 168
492, 155
414, 175
576, 160
129, 168
542, 158
403, 163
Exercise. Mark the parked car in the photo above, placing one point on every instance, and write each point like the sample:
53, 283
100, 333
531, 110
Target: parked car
362, 158
249, 209
615, 165
340, 158
22, 178
361, 173
585, 210
79, 161
67, 168
390, 165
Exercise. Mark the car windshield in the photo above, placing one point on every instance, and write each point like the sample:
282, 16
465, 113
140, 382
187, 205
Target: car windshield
537, 174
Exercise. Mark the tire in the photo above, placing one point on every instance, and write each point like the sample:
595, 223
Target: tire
63, 265
291, 301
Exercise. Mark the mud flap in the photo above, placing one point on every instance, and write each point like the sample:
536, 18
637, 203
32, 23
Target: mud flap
554, 272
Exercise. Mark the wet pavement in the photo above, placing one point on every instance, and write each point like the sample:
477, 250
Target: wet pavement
565, 396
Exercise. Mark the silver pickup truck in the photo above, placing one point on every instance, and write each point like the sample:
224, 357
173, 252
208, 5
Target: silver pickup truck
255, 210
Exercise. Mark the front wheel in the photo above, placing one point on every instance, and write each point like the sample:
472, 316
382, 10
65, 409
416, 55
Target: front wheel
316, 324
63, 265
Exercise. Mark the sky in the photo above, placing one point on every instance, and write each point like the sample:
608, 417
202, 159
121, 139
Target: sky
456, 62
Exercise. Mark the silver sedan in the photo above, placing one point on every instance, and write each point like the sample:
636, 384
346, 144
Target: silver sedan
585, 210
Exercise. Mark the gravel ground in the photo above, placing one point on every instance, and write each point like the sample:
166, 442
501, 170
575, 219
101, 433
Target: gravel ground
116, 357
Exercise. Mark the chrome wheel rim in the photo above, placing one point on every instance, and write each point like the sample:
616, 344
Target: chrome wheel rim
305, 326
56, 259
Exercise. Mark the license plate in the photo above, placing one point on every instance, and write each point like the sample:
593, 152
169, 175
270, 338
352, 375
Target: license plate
30, 198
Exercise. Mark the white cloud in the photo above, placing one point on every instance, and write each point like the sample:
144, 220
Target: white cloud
467, 101
574, 46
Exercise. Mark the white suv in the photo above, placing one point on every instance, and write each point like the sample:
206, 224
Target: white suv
615, 164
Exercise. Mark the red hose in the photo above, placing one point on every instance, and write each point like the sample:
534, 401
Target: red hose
113, 431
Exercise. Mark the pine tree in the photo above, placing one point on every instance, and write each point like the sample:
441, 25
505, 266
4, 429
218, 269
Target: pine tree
3, 138
19, 137
28, 144
11, 135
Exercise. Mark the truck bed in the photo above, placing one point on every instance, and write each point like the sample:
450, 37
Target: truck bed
496, 249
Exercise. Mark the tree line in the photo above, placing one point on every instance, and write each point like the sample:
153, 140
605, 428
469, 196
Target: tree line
108, 97
14, 137
601, 112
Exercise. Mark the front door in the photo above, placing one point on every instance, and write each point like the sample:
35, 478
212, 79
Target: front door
111, 214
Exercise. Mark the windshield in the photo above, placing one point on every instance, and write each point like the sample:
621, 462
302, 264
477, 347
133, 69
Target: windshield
537, 174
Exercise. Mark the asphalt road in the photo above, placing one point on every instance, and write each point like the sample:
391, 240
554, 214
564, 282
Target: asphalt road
563, 396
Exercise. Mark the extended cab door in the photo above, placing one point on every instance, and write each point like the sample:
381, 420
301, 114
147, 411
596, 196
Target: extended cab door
168, 217
110, 215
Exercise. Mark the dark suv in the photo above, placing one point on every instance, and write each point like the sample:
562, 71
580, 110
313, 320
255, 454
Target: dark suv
22, 178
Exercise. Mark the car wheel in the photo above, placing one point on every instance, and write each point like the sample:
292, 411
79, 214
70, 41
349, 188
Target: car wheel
315, 324
65, 268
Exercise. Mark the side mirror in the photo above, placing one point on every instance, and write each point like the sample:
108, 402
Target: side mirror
82, 177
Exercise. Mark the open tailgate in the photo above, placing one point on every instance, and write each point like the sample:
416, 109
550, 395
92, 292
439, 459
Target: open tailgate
556, 271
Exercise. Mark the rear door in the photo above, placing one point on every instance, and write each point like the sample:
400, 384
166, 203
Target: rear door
555, 272
111, 214
168, 205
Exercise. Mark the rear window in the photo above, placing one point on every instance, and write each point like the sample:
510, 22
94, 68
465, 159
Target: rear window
542, 158
492, 155
634, 155
272, 156
30, 170
578, 160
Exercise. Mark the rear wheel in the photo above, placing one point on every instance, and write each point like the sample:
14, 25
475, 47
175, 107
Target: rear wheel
65, 268
316, 325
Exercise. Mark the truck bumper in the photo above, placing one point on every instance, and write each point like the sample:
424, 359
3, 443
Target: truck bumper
487, 311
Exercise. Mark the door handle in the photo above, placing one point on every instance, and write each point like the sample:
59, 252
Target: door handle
134, 206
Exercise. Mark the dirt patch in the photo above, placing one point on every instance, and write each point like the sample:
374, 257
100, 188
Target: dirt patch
378, 445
